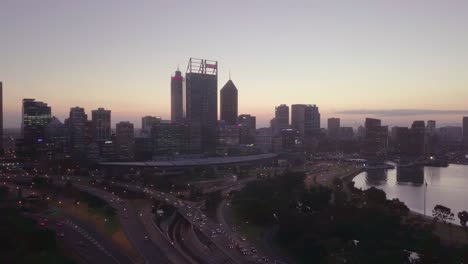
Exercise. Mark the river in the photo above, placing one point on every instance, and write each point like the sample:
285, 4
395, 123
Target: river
446, 186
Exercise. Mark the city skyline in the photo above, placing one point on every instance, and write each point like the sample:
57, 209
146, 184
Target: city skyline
398, 56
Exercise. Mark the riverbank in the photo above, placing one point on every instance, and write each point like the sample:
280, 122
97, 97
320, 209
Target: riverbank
450, 234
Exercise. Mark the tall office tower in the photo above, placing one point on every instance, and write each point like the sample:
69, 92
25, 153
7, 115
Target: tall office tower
101, 119
228, 138
177, 97
298, 117
333, 127
401, 140
314, 127
431, 126
76, 123
375, 140
247, 128
281, 118
305, 118
35, 117
147, 124
125, 140
1, 116
229, 106
465, 132
202, 104
170, 138
417, 138
57, 140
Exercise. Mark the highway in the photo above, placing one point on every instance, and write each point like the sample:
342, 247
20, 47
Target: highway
227, 245
86, 245
131, 224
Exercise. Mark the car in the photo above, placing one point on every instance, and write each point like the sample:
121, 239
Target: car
42, 224
61, 235
243, 239
59, 224
146, 238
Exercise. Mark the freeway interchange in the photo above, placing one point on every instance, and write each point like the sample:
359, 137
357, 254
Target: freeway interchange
187, 236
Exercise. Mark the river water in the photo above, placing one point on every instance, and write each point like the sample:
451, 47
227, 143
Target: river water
445, 186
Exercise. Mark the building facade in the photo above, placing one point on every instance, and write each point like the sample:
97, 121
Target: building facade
177, 97
202, 104
101, 120
281, 118
125, 141
229, 103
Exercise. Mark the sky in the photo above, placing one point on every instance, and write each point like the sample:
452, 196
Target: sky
395, 60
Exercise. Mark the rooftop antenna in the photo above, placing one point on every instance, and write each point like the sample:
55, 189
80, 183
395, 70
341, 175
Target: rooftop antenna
229, 74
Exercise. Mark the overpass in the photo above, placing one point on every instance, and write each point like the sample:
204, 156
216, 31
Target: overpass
179, 165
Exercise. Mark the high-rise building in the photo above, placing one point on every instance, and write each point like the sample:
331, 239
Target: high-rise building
1, 116
125, 140
76, 123
228, 138
305, 118
229, 102
418, 138
375, 140
57, 140
202, 104
451, 134
333, 127
170, 138
101, 119
465, 132
281, 118
147, 124
400, 137
247, 128
177, 97
35, 117
431, 126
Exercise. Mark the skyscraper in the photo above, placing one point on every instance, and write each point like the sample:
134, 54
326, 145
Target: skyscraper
147, 124
333, 126
101, 120
418, 138
177, 97
1, 116
247, 128
35, 117
375, 140
229, 103
281, 118
125, 140
202, 104
305, 118
76, 123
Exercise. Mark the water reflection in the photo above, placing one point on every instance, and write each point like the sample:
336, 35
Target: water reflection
446, 186
410, 175
376, 177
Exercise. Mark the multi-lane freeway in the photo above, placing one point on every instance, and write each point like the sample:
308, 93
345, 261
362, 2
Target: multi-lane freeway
191, 238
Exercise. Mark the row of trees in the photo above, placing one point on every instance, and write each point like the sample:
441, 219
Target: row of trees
339, 224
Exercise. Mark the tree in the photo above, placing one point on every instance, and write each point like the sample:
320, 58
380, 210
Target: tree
374, 195
463, 216
442, 213
212, 200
